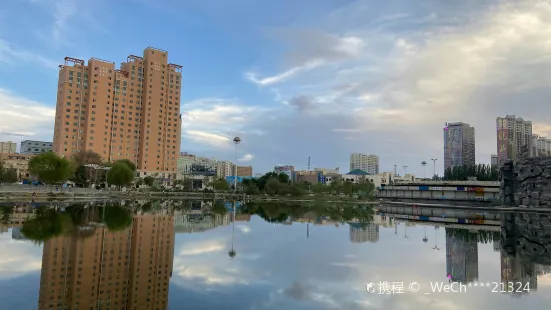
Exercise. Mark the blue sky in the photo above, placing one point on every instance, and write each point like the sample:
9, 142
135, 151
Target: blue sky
296, 79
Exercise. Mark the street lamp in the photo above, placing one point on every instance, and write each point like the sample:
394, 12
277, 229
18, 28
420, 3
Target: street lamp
424, 164
434, 166
236, 140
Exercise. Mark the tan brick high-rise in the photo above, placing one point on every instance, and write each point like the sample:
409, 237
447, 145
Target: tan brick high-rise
132, 113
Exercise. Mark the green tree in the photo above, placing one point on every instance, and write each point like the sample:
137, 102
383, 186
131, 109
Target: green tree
120, 174
149, 180
273, 186
297, 190
130, 164
7, 175
348, 188
221, 185
50, 168
320, 188
116, 217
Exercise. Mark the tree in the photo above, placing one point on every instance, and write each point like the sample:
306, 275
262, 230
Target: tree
117, 218
348, 188
130, 164
87, 157
296, 190
120, 174
320, 188
273, 186
50, 168
149, 180
7, 175
462, 173
221, 185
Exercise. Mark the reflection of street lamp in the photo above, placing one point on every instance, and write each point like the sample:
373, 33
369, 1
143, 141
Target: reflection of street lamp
425, 239
236, 140
232, 253
436, 239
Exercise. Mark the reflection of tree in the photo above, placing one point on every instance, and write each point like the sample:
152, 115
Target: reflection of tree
280, 212
480, 236
47, 223
116, 218
6, 212
219, 208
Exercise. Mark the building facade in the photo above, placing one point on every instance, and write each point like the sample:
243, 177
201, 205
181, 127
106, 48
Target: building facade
459, 145
225, 169
19, 162
493, 161
35, 147
540, 146
368, 163
513, 133
461, 257
189, 164
128, 113
8, 147
244, 171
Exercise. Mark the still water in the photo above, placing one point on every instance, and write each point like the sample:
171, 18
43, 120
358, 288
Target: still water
196, 255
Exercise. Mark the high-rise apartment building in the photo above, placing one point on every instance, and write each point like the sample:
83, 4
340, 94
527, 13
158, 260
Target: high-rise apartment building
368, 163
8, 147
189, 164
126, 269
225, 169
459, 145
244, 171
128, 113
540, 146
513, 133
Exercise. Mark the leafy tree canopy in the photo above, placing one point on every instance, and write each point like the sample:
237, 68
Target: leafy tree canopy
50, 168
120, 174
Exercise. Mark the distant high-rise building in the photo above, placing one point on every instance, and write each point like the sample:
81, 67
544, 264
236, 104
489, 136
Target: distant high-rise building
493, 161
132, 113
35, 147
189, 164
225, 169
367, 233
8, 147
244, 171
513, 133
461, 256
459, 145
368, 163
540, 146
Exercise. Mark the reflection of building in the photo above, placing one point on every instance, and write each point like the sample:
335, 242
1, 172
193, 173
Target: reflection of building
461, 257
459, 145
198, 222
493, 161
512, 134
515, 269
383, 220
497, 245
368, 163
100, 269
367, 233
35, 147
16, 234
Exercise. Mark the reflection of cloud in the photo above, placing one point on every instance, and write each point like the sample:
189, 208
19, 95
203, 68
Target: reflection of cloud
244, 229
202, 248
18, 257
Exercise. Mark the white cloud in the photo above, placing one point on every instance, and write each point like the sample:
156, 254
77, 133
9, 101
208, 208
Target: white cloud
201, 248
247, 157
24, 117
284, 75
64, 10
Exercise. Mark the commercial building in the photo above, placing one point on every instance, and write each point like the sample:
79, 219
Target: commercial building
368, 163
244, 171
8, 147
19, 162
35, 147
459, 145
128, 113
513, 133
114, 269
189, 164
540, 146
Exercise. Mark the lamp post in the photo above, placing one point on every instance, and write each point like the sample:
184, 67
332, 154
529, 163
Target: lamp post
424, 164
236, 140
405, 170
434, 166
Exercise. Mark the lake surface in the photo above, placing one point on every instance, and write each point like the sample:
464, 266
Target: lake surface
181, 255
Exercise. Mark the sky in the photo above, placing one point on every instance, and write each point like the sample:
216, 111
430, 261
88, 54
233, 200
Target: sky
298, 79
